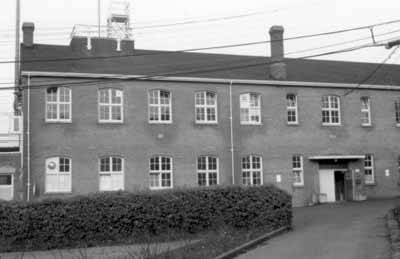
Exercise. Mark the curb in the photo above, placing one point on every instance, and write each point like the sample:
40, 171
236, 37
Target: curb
238, 250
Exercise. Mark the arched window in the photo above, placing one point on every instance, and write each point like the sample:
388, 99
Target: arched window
250, 108
252, 170
111, 171
206, 107
58, 104
110, 105
207, 170
160, 172
160, 106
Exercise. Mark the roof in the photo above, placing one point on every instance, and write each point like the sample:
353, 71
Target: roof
78, 59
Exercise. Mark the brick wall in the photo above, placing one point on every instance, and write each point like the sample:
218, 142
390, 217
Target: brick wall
85, 140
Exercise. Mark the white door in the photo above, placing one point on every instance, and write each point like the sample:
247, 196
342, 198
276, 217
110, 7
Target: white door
327, 186
6, 187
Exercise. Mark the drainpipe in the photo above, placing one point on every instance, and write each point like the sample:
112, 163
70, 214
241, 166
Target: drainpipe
28, 139
231, 128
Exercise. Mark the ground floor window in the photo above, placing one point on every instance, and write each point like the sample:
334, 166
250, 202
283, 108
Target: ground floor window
111, 173
207, 171
58, 174
369, 169
298, 173
252, 170
160, 172
6, 187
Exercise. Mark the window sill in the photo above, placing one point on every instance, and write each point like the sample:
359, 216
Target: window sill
370, 184
331, 125
55, 122
206, 123
160, 122
250, 124
366, 125
292, 123
110, 122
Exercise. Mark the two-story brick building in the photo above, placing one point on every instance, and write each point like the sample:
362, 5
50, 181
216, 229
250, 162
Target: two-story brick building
100, 115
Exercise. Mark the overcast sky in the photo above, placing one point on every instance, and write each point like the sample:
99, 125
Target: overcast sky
211, 23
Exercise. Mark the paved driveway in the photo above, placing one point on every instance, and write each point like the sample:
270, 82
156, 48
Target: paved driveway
332, 231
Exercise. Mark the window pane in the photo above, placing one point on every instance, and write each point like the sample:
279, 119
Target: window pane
165, 114
154, 164
5, 179
200, 114
104, 97
165, 179
105, 164
116, 96
154, 182
104, 112
116, 164
210, 98
201, 163
201, 179
116, 113
200, 98
164, 97
212, 179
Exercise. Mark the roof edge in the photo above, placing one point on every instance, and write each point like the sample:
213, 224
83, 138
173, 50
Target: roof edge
210, 80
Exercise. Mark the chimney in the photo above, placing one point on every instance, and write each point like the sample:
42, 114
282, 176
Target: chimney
27, 29
277, 69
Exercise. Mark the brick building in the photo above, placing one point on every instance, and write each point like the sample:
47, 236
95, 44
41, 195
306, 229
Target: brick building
109, 117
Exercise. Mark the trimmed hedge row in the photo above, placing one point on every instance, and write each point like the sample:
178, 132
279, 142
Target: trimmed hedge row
114, 217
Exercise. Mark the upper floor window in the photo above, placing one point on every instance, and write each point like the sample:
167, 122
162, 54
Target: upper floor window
111, 173
206, 107
252, 170
365, 111
160, 106
250, 108
298, 172
397, 112
207, 170
291, 107
58, 104
160, 172
110, 105
369, 169
58, 174
330, 110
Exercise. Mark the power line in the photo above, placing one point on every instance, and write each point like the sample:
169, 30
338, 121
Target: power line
370, 75
207, 69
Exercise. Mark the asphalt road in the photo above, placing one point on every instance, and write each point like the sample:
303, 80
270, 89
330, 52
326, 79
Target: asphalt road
352, 230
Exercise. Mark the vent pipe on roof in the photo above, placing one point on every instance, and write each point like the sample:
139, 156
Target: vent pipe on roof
277, 67
27, 29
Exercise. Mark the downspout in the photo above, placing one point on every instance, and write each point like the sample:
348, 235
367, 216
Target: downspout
231, 130
28, 139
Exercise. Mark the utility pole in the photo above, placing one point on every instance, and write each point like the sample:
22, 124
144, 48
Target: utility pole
98, 15
17, 45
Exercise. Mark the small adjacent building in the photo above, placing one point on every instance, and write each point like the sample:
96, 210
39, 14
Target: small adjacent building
101, 115
11, 186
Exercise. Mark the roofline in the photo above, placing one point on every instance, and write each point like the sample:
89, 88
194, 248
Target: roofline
210, 80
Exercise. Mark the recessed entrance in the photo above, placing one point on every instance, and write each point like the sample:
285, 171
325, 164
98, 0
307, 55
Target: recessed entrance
334, 185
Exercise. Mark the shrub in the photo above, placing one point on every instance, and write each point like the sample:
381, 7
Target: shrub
117, 216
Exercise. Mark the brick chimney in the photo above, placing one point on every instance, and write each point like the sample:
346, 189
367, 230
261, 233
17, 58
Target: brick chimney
27, 29
277, 69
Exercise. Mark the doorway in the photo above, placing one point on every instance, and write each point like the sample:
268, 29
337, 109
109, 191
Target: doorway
333, 185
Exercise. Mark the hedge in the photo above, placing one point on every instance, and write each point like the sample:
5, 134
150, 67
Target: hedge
117, 216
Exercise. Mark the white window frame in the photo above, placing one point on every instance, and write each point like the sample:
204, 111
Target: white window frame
159, 173
298, 169
57, 172
58, 103
159, 106
205, 107
330, 109
366, 111
397, 112
251, 110
252, 171
292, 108
109, 105
114, 175
207, 171
370, 168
